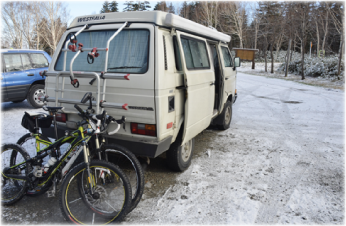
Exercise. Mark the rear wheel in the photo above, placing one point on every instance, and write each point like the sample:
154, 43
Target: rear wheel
13, 190
179, 156
108, 200
132, 168
35, 95
28, 142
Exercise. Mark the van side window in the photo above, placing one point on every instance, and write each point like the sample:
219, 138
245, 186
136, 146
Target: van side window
195, 53
177, 54
26, 61
38, 60
13, 62
227, 59
128, 52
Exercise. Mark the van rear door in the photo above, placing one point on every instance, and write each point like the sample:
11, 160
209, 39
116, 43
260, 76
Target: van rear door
199, 83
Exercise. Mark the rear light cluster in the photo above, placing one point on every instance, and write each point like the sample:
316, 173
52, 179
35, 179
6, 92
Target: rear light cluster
61, 117
143, 129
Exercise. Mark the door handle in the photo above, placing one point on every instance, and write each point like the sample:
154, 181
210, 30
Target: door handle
30, 74
226, 78
213, 83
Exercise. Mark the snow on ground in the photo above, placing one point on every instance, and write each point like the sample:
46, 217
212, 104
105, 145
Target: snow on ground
281, 162
328, 82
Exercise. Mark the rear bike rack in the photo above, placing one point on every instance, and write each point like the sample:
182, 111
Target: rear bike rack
81, 74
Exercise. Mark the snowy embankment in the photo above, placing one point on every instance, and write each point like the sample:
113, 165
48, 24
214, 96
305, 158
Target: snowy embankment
281, 162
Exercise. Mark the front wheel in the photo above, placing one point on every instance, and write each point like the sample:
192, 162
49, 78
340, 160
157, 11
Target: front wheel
102, 198
226, 117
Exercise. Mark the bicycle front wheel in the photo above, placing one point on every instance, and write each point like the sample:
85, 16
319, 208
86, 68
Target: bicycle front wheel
102, 198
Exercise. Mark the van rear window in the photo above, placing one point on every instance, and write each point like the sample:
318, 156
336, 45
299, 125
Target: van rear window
128, 52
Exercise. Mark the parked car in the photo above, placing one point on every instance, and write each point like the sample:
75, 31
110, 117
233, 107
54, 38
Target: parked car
20, 77
169, 76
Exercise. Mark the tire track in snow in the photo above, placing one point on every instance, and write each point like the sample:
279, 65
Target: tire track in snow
279, 191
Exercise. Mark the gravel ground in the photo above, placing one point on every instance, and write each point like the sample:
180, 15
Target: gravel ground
281, 162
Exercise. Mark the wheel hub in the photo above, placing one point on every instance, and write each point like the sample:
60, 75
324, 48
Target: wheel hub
39, 95
186, 151
96, 195
228, 115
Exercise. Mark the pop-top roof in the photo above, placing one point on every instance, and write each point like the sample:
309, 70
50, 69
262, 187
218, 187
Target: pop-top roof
157, 17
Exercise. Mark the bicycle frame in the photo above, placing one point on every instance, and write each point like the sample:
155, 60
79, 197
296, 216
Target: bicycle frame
77, 138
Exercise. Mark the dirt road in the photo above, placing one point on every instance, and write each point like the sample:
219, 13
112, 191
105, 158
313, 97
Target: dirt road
281, 162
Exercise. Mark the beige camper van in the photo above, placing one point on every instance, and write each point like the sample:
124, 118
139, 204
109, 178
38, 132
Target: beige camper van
170, 77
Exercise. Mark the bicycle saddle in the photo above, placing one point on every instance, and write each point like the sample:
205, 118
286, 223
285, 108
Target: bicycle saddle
52, 109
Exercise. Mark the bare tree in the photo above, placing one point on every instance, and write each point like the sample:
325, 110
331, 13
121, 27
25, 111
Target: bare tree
335, 12
56, 16
209, 13
235, 13
11, 20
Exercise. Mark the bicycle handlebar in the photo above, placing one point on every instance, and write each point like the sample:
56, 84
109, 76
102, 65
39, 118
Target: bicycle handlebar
79, 109
104, 118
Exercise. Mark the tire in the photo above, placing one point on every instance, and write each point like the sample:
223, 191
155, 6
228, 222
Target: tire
132, 168
13, 190
35, 92
113, 195
179, 156
226, 117
18, 101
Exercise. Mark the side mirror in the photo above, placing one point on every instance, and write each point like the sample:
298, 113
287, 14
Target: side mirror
237, 62
86, 97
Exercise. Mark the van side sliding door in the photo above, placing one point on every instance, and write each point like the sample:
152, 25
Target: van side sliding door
228, 72
199, 81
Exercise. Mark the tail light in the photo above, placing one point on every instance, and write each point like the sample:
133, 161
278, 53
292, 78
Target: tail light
61, 117
143, 129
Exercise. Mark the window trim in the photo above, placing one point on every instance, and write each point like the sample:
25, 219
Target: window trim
21, 61
141, 29
232, 63
206, 49
32, 62
177, 54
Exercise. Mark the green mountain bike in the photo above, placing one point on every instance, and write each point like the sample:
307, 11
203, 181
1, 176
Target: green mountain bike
93, 192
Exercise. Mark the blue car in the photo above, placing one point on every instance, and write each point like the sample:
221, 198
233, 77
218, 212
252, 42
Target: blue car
20, 78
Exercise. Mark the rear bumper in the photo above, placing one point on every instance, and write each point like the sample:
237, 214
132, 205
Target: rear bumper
147, 149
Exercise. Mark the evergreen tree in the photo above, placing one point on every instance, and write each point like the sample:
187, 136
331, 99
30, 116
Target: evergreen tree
105, 7
129, 6
162, 6
144, 6
171, 8
113, 6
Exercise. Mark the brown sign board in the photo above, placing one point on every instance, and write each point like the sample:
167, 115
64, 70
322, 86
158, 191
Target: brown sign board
246, 54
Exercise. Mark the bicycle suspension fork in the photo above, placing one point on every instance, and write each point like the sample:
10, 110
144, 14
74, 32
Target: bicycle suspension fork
87, 161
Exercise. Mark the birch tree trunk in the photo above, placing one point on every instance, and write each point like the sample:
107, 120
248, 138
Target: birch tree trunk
288, 56
325, 32
318, 38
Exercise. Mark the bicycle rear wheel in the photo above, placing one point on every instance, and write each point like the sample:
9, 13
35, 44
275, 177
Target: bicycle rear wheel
12, 190
110, 199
